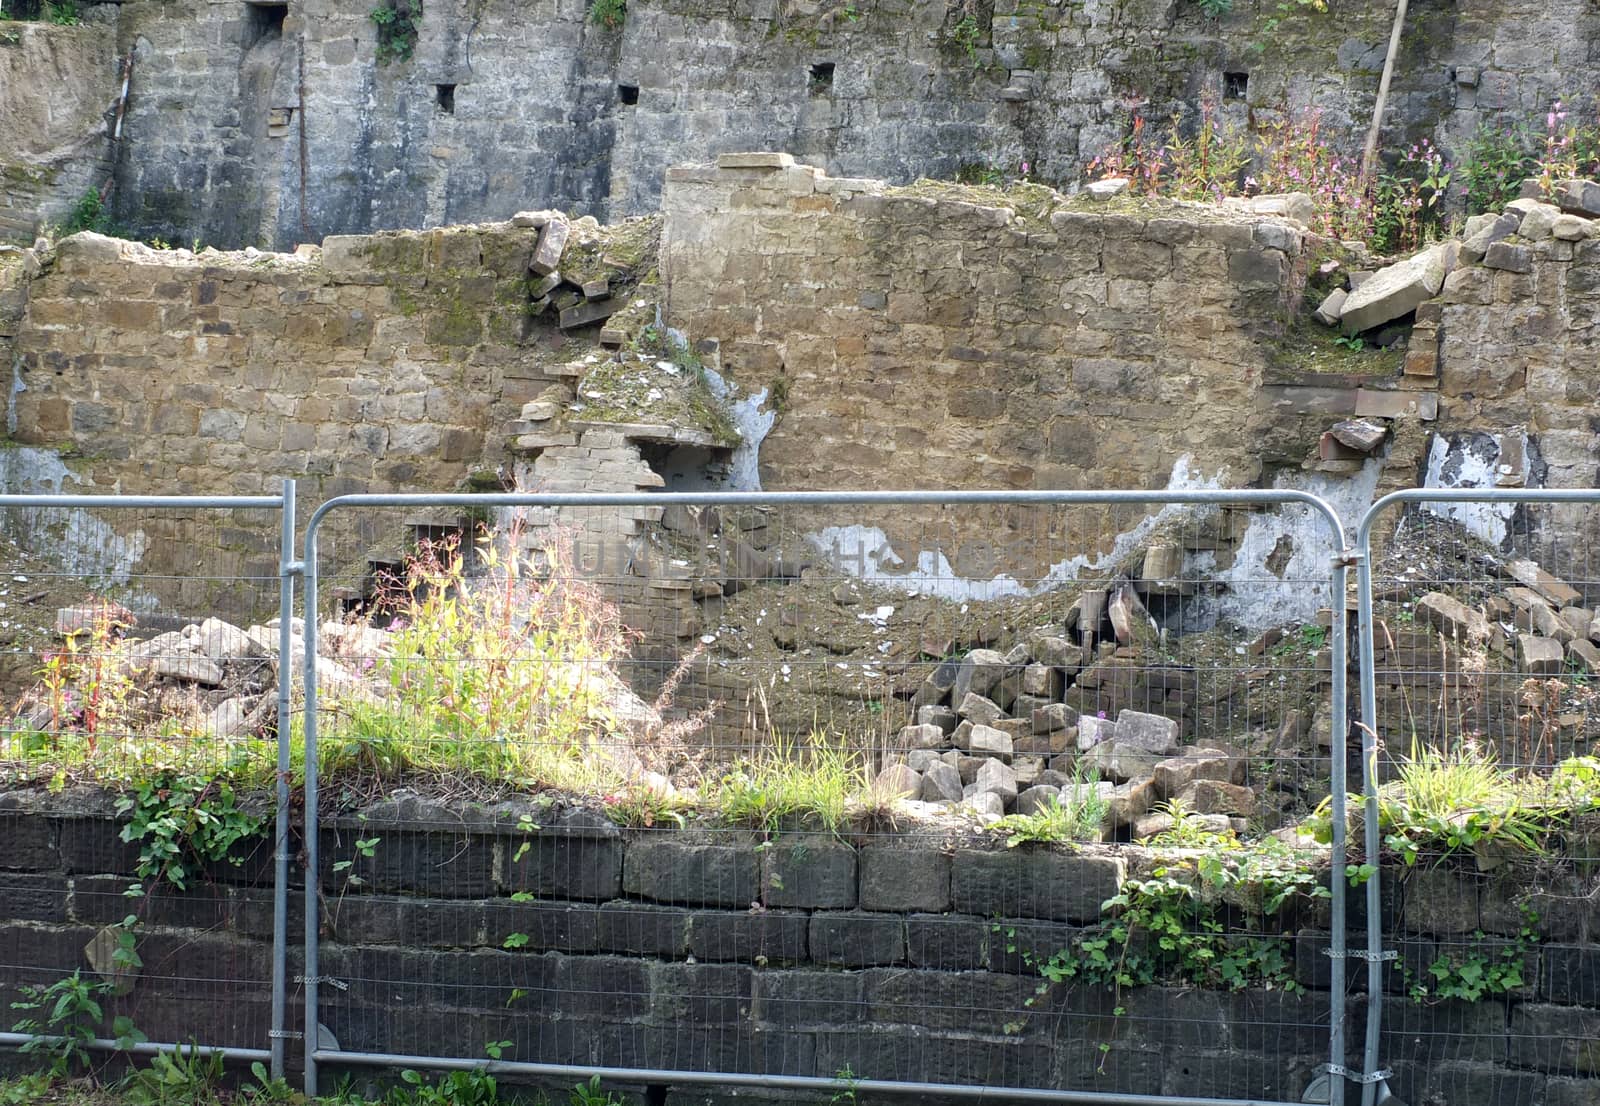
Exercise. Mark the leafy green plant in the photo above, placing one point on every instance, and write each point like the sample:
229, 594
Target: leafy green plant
456, 1088
64, 13
1055, 823
398, 22
591, 1094
182, 821
1187, 830
1477, 971
609, 14
816, 781
64, 1017
1498, 158
1352, 342
846, 1094
179, 1078
1458, 798
503, 676
965, 36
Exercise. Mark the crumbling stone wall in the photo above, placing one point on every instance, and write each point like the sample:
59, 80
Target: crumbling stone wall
508, 105
897, 958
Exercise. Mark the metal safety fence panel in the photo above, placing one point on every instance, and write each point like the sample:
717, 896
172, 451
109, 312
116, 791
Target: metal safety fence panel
139, 646
1478, 721
950, 794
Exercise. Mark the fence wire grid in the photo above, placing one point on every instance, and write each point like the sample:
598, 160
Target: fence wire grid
942, 795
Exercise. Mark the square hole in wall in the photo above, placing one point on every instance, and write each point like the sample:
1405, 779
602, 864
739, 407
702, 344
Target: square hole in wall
628, 94
445, 96
263, 21
1234, 85
821, 82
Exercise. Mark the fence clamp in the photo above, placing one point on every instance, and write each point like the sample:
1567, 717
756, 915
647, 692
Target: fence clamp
318, 979
292, 568
1363, 954
286, 1034
1354, 1076
1348, 558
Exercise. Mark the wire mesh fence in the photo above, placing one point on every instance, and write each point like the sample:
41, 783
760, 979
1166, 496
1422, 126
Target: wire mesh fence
727, 785
139, 671
1481, 726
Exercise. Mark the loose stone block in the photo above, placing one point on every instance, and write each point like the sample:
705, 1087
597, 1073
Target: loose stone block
755, 160
1394, 291
988, 741
941, 783
1153, 733
1508, 257
1539, 656
979, 710
1453, 618
898, 781
552, 243
997, 778
922, 737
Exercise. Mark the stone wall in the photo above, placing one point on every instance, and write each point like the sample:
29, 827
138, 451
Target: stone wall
1519, 401
897, 957
510, 105
53, 147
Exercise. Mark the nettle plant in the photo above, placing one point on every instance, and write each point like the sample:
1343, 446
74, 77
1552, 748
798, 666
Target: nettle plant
181, 822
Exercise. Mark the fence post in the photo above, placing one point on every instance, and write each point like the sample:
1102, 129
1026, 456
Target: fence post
1337, 785
287, 568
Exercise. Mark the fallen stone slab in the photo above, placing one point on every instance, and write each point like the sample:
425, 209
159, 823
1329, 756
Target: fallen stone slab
1053, 718
590, 311
1288, 205
1452, 618
1108, 188
978, 710
1584, 652
978, 672
1154, 733
1037, 798
1120, 761
1332, 306
1476, 244
1394, 291
758, 159
1360, 435
1539, 656
552, 243
1094, 731
990, 742
190, 669
535, 218
1581, 197
1557, 591
1173, 775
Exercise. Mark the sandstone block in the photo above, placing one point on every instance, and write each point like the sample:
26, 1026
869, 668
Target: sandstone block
755, 160
1129, 801
190, 669
1153, 733
898, 781
1121, 761
1332, 307
1094, 731
990, 742
941, 783
1216, 797
1057, 652
535, 219
1539, 656
1584, 652
1108, 188
1570, 228
1042, 680
1477, 243
1172, 776
1556, 591
1538, 219
922, 737
1037, 798
552, 243
1509, 258
979, 671
1359, 434
933, 715
979, 710
997, 778
1394, 291
1453, 618
1581, 197
1053, 718
986, 804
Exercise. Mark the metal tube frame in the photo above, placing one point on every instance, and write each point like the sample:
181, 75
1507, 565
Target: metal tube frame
1340, 560
1372, 1076
147, 1048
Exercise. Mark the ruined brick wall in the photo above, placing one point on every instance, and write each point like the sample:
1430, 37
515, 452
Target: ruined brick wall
895, 957
922, 338
509, 105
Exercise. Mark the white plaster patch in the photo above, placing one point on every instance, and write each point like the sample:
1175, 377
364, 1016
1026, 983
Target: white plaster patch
73, 539
1473, 460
